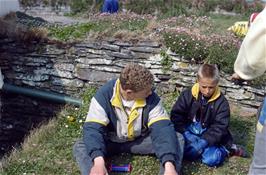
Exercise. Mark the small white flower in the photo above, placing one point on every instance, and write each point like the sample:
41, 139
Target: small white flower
66, 126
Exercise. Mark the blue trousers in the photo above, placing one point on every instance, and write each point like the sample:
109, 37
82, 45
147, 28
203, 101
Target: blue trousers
258, 165
110, 6
141, 146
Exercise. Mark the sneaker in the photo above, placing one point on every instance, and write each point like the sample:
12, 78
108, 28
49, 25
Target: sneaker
238, 150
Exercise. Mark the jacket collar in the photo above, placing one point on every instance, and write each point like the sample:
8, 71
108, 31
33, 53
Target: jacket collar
195, 92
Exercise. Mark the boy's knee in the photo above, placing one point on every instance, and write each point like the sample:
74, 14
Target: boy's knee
79, 147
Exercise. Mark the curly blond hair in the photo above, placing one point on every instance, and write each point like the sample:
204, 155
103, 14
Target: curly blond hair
135, 77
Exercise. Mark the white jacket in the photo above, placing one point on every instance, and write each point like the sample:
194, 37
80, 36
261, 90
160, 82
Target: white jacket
251, 59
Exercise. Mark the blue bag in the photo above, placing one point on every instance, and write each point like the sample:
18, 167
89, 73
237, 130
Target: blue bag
196, 128
214, 156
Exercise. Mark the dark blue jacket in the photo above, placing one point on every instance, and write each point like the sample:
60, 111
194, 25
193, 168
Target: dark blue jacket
215, 115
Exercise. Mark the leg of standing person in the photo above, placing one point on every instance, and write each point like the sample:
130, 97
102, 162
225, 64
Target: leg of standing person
258, 165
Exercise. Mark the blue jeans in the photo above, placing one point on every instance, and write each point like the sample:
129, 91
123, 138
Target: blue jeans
142, 146
258, 165
110, 6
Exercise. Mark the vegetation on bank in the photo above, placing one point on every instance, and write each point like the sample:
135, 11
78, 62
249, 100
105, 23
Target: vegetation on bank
48, 150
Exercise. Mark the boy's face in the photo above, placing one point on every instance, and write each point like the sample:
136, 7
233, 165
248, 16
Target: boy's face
207, 86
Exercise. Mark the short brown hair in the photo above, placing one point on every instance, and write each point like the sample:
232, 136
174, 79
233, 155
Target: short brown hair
209, 71
135, 77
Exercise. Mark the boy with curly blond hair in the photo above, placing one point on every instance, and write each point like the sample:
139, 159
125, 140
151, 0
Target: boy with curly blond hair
127, 116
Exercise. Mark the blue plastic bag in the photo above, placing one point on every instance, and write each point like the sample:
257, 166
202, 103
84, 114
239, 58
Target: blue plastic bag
196, 128
214, 156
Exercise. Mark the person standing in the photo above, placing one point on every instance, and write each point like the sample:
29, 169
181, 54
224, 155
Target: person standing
110, 6
251, 63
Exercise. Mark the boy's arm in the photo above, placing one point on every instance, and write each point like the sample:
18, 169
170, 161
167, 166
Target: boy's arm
251, 59
180, 112
163, 136
93, 137
94, 130
220, 125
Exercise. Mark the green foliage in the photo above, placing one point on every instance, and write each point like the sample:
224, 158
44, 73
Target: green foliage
186, 45
257, 7
71, 32
259, 82
80, 5
223, 56
169, 99
211, 5
197, 47
76, 117
164, 8
166, 61
132, 25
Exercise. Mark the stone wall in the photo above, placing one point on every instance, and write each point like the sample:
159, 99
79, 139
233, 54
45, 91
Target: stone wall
71, 69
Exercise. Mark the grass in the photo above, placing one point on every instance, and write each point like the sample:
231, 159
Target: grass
132, 22
48, 150
222, 22
104, 26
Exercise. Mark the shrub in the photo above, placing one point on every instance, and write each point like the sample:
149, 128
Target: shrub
160, 7
186, 45
223, 56
195, 46
133, 24
78, 6
166, 61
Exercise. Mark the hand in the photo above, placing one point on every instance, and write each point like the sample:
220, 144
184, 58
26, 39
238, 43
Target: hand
98, 167
169, 169
236, 79
235, 76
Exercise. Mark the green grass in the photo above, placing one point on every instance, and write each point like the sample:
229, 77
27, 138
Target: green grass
48, 150
222, 22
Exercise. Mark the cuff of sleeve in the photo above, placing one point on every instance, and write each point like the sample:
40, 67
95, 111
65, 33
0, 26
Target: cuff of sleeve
167, 158
96, 153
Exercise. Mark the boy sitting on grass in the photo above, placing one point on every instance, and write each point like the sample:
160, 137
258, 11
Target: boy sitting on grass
202, 115
127, 116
